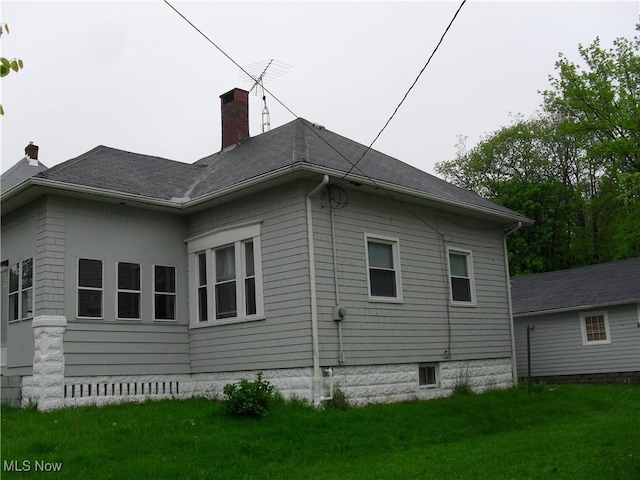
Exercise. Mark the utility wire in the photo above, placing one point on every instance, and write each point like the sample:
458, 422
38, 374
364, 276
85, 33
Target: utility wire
353, 166
447, 353
409, 90
310, 128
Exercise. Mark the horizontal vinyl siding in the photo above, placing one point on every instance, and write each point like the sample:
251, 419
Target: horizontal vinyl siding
416, 330
557, 349
19, 241
283, 338
125, 349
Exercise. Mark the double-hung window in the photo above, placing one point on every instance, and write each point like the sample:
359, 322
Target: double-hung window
383, 268
461, 284
90, 288
164, 293
595, 328
226, 276
17, 281
129, 291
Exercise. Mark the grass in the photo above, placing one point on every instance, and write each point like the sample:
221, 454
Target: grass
562, 431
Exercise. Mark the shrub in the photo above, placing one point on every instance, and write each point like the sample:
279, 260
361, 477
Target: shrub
340, 401
463, 384
249, 399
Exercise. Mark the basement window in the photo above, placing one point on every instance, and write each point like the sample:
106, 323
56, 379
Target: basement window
427, 376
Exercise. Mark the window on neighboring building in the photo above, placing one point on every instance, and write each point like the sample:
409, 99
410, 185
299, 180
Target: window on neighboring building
427, 376
383, 265
89, 288
595, 328
17, 290
128, 291
164, 293
226, 275
461, 277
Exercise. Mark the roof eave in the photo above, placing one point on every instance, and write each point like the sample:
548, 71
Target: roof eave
7, 199
261, 181
573, 308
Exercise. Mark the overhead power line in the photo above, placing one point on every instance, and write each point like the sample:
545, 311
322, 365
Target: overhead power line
354, 165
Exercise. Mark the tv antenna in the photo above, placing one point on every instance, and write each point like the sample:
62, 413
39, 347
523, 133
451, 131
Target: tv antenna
259, 72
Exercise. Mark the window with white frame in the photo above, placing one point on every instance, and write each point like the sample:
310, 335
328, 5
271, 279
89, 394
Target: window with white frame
461, 283
17, 290
383, 268
595, 328
164, 293
128, 293
90, 289
427, 376
4, 302
226, 275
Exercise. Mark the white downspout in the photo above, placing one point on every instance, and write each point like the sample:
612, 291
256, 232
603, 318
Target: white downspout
317, 374
514, 366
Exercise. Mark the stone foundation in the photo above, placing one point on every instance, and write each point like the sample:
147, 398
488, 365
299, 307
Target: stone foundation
394, 383
362, 385
46, 384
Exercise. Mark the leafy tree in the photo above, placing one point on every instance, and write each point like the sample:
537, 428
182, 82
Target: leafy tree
574, 168
7, 65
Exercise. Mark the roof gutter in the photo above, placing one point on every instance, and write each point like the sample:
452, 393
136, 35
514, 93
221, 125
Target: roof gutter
189, 203
86, 190
317, 378
514, 365
577, 307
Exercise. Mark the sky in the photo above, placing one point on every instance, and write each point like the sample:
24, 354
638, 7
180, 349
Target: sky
134, 75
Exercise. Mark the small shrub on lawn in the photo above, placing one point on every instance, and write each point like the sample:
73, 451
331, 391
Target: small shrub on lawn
249, 399
463, 385
340, 401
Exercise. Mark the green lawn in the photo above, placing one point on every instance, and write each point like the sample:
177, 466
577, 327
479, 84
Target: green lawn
559, 431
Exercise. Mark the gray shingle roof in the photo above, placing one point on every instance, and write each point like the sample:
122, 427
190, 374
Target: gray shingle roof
596, 285
302, 141
297, 143
116, 170
20, 172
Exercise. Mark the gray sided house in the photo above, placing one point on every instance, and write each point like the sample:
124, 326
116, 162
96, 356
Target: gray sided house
126, 276
586, 323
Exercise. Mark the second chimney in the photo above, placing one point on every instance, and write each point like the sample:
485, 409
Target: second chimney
234, 107
31, 151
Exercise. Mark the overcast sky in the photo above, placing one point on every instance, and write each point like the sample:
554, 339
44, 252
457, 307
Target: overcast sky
135, 76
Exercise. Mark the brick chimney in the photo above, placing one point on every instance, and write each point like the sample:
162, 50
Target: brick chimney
31, 151
234, 107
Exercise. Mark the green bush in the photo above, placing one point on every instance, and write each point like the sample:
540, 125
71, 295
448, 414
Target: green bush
340, 401
249, 399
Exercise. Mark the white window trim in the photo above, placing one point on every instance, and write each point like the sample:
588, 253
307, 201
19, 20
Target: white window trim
583, 326
78, 287
121, 290
175, 294
472, 283
207, 243
395, 244
20, 289
437, 374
